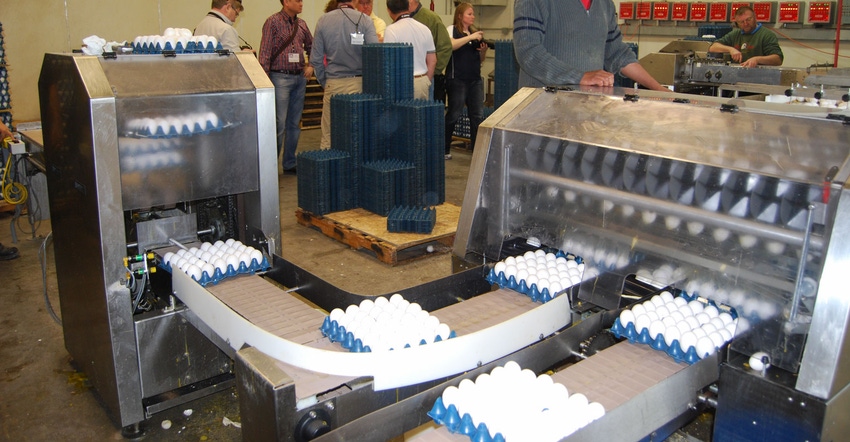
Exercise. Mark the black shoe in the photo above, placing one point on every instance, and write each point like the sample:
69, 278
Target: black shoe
7, 253
290, 171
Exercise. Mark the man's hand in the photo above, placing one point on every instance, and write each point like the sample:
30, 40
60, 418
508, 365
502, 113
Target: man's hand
736, 55
597, 78
308, 71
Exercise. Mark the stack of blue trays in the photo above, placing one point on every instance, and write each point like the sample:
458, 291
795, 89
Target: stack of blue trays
421, 142
388, 70
324, 178
355, 122
412, 219
386, 184
507, 73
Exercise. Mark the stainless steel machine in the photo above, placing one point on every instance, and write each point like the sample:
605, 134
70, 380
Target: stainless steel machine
142, 149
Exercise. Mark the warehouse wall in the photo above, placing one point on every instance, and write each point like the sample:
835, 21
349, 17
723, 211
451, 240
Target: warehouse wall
32, 28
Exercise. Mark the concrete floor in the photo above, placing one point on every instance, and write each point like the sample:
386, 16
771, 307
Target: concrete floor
43, 397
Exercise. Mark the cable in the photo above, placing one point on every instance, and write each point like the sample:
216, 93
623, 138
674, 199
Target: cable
807, 46
42, 256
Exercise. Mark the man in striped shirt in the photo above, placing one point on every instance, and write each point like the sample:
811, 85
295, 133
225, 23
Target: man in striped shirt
285, 41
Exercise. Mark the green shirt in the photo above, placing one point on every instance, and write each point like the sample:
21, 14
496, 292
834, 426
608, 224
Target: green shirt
760, 42
442, 41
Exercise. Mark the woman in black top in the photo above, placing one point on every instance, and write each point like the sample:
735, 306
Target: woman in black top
463, 74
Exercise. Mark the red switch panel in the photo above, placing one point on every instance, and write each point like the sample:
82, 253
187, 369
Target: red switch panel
735, 6
718, 12
679, 11
790, 12
661, 11
699, 11
765, 12
821, 12
627, 10
644, 11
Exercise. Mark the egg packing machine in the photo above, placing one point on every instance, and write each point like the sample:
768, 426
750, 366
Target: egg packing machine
752, 216
141, 150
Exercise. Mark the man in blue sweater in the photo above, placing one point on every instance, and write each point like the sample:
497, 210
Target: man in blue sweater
561, 42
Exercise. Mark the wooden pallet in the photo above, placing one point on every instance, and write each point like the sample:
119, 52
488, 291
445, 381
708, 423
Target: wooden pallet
363, 230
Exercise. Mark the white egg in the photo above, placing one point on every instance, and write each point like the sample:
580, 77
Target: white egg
662, 311
628, 210
167, 258
666, 296
555, 287
229, 242
680, 301
638, 309
521, 274
702, 318
672, 222
181, 263
194, 251
716, 339
194, 271
671, 334
656, 328
653, 316
676, 315
668, 321
726, 318
698, 332
206, 256
705, 347
696, 307
711, 311
219, 244
642, 322
725, 334
209, 269
695, 228
657, 301
747, 241
443, 331
531, 280
220, 265
232, 261
683, 327
721, 235
499, 267
648, 216
627, 317
510, 260
687, 341
759, 361
257, 255
717, 323
182, 252
775, 247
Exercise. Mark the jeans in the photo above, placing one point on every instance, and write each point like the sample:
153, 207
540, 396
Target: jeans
289, 93
460, 93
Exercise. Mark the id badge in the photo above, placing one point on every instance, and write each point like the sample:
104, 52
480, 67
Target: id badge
357, 38
294, 57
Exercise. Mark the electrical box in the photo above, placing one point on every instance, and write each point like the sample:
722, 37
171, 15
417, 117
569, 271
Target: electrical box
17, 147
644, 10
679, 11
661, 11
765, 12
699, 12
790, 12
718, 12
821, 12
627, 10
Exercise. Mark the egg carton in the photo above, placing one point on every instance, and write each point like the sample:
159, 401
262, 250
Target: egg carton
512, 403
173, 131
382, 324
337, 333
534, 292
672, 347
218, 275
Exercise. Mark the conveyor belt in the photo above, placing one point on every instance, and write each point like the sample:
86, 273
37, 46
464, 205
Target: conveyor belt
250, 310
612, 377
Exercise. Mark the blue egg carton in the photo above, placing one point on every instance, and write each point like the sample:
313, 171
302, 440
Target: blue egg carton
533, 292
174, 131
218, 275
674, 350
451, 419
191, 48
337, 333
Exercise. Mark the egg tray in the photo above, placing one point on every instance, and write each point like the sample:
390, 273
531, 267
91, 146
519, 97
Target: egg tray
191, 48
185, 131
218, 275
532, 292
451, 419
674, 350
337, 333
